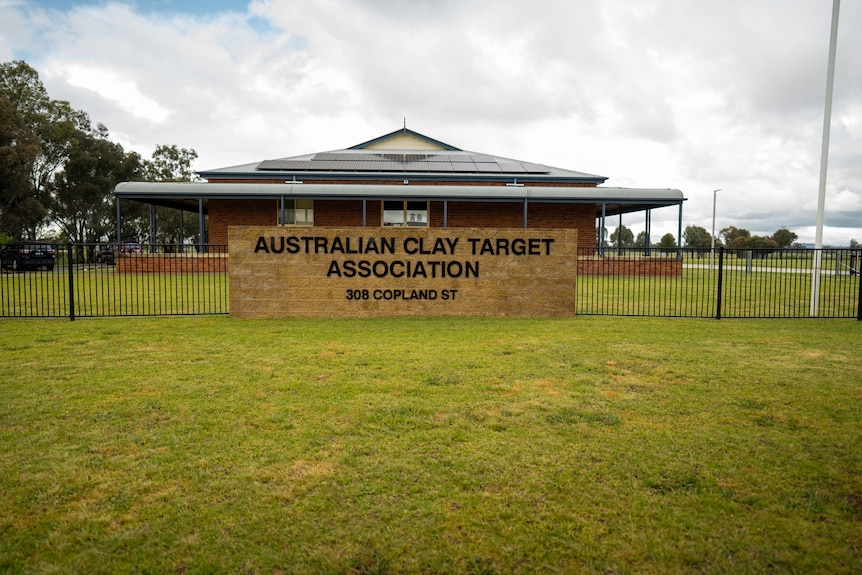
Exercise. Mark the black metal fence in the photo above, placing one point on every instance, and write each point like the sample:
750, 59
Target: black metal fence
90, 280
93, 280
726, 283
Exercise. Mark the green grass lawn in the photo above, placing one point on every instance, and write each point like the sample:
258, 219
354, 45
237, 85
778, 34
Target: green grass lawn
100, 292
476, 446
760, 294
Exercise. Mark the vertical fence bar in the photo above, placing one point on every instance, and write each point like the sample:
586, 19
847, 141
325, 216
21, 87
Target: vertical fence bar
719, 287
71, 269
855, 270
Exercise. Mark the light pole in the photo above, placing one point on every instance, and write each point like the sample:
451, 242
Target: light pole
712, 244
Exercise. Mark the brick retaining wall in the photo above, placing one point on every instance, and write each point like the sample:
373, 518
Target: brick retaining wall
188, 263
218, 263
645, 267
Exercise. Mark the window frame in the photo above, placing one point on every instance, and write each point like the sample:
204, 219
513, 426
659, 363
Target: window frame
291, 206
405, 210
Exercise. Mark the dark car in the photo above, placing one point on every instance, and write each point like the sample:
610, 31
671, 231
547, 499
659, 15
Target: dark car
21, 256
131, 248
105, 254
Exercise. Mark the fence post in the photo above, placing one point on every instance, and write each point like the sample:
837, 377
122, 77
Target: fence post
859, 275
69, 260
720, 279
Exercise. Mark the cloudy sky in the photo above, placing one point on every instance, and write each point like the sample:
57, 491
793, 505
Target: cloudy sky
694, 95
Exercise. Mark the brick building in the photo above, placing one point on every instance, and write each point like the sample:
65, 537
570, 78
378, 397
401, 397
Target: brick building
400, 179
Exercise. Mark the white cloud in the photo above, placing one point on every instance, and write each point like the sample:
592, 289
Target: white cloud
112, 86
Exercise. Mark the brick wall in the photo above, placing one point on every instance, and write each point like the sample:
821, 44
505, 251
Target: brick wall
348, 213
171, 263
224, 213
345, 213
472, 273
645, 267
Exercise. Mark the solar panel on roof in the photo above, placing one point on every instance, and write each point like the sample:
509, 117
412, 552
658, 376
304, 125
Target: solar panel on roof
405, 157
416, 167
328, 166
284, 165
535, 168
464, 167
512, 168
404, 162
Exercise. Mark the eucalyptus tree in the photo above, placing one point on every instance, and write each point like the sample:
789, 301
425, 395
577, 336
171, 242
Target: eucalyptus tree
622, 237
699, 238
80, 195
18, 151
172, 164
52, 125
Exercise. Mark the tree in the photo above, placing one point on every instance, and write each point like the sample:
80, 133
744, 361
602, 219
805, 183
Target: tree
18, 151
51, 124
81, 202
784, 238
171, 164
698, 238
735, 237
668, 242
763, 245
854, 244
622, 237
604, 236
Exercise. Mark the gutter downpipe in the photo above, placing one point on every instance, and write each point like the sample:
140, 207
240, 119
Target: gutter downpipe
679, 234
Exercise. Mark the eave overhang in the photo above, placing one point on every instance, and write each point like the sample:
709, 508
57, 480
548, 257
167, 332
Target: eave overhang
215, 176
186, 195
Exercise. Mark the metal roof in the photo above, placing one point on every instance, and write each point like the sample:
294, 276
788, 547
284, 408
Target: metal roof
406, 132
363, 162
186, 195
474, 174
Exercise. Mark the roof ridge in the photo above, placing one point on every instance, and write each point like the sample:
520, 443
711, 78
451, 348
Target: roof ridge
405, 131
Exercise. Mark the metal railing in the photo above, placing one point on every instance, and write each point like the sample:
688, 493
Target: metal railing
89, 280
732, 284
92, 280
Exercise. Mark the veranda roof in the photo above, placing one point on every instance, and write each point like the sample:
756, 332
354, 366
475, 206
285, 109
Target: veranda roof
187, 195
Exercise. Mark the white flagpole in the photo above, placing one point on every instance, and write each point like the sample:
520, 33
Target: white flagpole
824, 161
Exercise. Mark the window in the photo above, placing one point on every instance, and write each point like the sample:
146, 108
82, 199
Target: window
297, 213
405, 213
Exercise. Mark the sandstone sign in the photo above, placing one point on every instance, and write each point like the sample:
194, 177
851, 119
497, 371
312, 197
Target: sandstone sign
367, 272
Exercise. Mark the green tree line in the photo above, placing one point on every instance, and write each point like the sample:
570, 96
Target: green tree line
700, 239
57, 171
